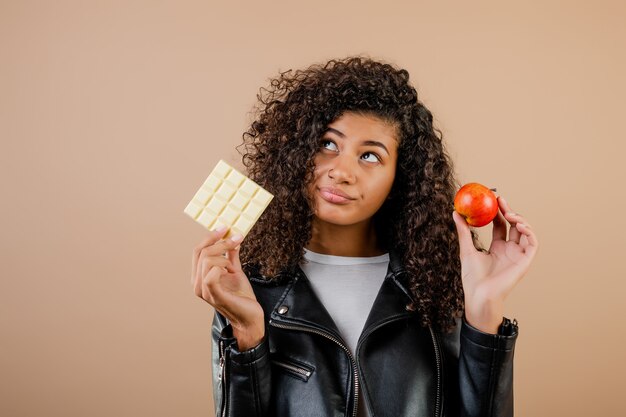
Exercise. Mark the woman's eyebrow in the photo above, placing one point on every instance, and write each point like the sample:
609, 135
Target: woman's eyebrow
364, 143
375, 143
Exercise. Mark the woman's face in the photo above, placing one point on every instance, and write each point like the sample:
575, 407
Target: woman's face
354, 169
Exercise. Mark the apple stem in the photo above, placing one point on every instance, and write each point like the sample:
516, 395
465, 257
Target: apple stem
493, 189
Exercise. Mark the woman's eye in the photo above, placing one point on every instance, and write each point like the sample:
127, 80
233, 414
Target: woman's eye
376, 158
326, 143
331, 146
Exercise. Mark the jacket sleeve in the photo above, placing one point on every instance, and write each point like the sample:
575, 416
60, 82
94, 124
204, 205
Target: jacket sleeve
485, 370
241, 380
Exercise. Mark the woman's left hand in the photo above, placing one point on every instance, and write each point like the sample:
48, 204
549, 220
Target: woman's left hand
489, 277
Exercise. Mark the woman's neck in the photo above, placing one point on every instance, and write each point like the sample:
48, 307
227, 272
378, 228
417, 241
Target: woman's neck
358, 240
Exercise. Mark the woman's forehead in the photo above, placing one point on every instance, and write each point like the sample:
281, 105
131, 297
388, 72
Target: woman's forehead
363, 126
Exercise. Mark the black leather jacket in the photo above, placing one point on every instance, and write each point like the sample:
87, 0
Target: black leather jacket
302, 367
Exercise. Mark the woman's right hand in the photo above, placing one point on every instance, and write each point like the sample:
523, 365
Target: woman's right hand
220, 281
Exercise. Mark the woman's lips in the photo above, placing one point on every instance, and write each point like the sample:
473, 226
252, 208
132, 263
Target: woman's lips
332, 197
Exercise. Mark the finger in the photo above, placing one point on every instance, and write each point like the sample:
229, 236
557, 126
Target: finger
518, 218
529, 250
223, 246
518, 222
215, 290
200, 277
209, 287
499, 227
509, 214
523, 241
233, 257
214, 236
466, 244
504, 206
511, 217
194, 267
213, 261
203, 268
206, 263
529, 233
217, 261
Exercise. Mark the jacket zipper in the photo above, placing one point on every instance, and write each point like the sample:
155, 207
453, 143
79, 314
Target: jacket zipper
294, 368
438, 360
222, 377
334, 339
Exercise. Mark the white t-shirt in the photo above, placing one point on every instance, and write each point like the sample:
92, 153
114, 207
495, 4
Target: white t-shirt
347, 286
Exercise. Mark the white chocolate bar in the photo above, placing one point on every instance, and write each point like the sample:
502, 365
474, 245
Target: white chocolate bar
229, 198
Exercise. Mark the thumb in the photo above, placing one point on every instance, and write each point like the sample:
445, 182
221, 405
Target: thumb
466, 243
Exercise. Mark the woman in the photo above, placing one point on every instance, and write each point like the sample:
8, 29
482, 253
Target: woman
359, 291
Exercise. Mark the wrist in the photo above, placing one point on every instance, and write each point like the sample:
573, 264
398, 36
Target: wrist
487, 319
489, 327
248, 338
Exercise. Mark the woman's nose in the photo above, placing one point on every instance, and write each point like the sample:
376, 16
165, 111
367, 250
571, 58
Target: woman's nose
342, 170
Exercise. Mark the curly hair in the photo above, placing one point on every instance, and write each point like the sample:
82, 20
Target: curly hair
279, 149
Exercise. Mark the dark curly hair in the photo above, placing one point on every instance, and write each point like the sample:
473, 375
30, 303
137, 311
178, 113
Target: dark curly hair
279, 149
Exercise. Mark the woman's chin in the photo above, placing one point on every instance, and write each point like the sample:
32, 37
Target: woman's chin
338, 219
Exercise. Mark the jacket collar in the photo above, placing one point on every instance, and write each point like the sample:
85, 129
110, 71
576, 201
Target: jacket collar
299, 305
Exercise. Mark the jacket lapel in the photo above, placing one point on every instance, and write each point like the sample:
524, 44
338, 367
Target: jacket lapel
390, 303
300, 305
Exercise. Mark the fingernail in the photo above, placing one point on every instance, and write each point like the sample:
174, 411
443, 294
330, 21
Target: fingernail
237, 238
221, 229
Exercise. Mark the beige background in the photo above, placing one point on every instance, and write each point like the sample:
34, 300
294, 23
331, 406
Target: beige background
113, 113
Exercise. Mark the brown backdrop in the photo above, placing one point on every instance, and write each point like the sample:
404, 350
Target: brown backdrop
113, 113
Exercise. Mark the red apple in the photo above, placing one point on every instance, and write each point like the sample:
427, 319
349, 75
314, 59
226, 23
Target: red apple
476, 203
